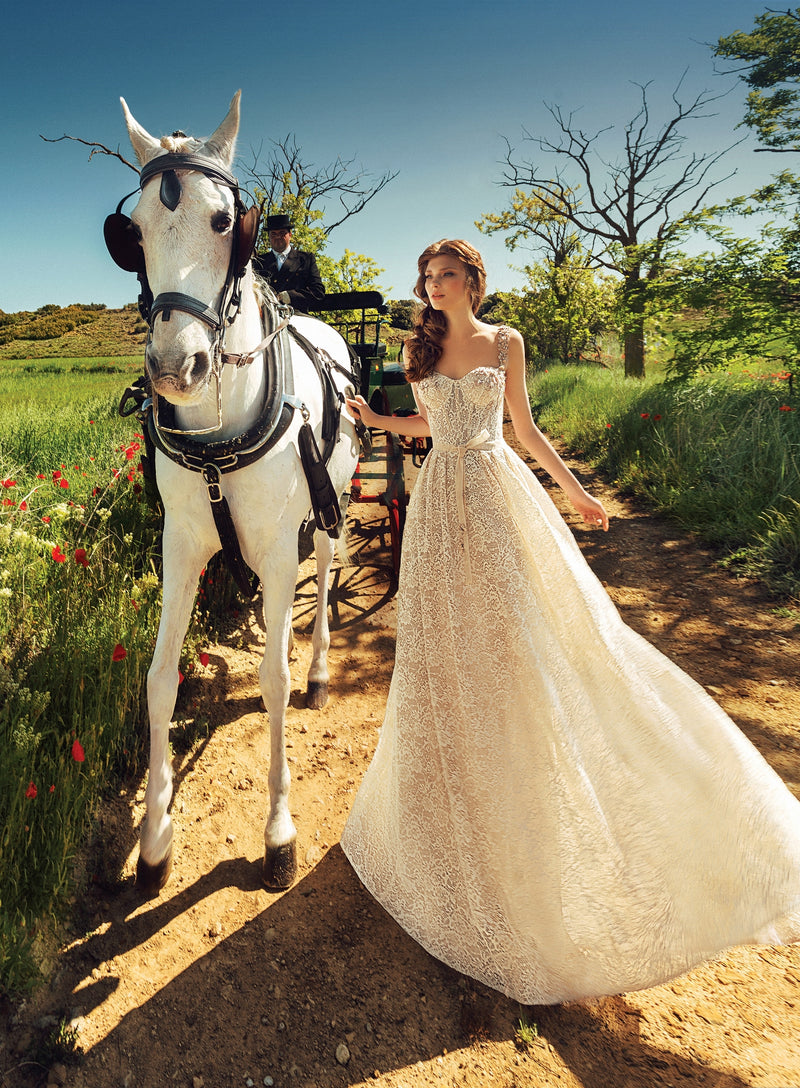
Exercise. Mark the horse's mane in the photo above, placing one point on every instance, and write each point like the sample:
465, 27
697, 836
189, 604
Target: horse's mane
178, 144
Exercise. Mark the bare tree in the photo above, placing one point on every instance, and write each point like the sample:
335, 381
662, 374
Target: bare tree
633, 208
338, 190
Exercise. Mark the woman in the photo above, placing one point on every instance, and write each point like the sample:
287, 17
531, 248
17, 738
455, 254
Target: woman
554, 807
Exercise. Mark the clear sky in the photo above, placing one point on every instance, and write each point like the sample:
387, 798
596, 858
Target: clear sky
427, 89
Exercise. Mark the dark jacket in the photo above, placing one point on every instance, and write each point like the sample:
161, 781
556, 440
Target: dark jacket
299, 277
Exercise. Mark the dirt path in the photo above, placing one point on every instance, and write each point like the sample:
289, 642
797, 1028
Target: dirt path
219, 983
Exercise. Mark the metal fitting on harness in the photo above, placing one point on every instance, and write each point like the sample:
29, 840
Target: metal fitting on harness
211, 477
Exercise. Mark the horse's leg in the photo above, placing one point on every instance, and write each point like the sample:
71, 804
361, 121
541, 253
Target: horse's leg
279, 581
183, 562
317, 688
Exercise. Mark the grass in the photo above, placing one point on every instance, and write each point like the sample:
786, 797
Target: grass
720, 454
79, 607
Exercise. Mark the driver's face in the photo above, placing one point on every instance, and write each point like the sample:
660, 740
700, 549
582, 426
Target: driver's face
279, 239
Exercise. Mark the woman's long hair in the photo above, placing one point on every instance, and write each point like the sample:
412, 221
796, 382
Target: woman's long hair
423, 349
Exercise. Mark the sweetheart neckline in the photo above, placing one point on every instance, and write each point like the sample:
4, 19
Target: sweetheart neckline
450, 378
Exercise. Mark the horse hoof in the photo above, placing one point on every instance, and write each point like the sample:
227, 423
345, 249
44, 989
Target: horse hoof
150, 879
280, 867
317, 694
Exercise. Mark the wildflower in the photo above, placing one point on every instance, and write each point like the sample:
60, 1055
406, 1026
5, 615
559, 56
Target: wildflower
23, 505
656, 418
9, 502
63, 483
80, 558
204, 659
52, 789
46, 519
608, 426
31, 791
785, 408
58, 555
78, 753
645, 415
119, 653
9, 483
40, 476
57, 474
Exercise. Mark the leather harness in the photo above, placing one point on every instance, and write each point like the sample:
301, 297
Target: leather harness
214, 459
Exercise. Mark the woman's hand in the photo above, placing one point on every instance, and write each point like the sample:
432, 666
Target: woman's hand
359, 407
591, 510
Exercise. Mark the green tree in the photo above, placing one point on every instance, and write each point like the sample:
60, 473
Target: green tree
739, 302
560, 312
770, 56
629, 213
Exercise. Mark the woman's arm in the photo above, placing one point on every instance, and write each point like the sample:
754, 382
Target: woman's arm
590, 509
413, 426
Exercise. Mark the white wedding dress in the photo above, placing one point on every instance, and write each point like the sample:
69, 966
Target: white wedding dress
554, 807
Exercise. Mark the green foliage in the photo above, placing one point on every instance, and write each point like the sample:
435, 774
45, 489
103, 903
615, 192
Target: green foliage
402, 313
719, 453
738, 303
770, 54
561, 312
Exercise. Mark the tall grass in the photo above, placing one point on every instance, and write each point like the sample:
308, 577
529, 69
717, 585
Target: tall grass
78, 611
719, 453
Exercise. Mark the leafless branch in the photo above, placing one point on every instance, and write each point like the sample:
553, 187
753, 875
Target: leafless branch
339, 181
97, 148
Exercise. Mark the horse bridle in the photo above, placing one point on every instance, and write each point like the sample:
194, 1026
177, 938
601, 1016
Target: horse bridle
123, 244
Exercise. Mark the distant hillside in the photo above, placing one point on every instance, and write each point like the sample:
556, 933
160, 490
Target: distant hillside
72, 332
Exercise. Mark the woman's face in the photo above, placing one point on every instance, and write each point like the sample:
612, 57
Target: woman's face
446, 282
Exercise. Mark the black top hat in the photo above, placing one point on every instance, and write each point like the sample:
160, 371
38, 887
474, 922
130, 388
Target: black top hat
279, 222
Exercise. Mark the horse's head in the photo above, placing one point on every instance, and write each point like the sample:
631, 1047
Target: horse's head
185, 222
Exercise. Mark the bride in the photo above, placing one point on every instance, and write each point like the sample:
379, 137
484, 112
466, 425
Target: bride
554, 807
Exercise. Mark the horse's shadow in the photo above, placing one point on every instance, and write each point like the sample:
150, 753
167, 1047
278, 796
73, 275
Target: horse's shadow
277, 996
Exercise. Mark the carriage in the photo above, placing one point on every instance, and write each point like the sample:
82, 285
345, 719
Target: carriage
358, 315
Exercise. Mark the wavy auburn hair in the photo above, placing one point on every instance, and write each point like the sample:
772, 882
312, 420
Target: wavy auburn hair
423, 349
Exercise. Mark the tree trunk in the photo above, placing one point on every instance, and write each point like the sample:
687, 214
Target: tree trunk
634, 353
633, 296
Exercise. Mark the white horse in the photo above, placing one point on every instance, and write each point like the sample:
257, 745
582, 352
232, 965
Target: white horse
186, 222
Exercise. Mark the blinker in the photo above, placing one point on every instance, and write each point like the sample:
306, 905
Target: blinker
170, 191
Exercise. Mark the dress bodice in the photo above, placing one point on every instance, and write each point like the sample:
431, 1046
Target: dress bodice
461, 408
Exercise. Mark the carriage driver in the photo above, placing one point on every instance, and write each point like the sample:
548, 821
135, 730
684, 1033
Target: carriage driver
291, 273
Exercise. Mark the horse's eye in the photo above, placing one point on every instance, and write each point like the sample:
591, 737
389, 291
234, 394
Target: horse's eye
220, 222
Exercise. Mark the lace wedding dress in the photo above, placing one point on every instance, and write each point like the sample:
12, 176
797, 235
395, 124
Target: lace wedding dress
554, 807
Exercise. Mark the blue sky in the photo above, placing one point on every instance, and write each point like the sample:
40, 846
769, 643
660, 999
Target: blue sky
427, 89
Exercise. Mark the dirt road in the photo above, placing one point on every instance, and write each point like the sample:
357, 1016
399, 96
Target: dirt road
220, 983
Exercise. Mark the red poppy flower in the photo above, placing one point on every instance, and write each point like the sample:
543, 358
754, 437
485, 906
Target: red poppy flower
80, 558
645, 415
608, 426
46, 519
78, 753
57, 474
204, 659
9, 502
52, 789
58, 555
785, 408
63, 483
656, 417
9, 483
40, 476
137, 489
119, 653
23, 505
31, 791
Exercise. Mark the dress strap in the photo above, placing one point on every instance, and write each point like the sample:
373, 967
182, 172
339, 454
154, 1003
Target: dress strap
502, 347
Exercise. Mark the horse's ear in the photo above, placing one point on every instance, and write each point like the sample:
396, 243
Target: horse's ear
144, 145
222, 143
